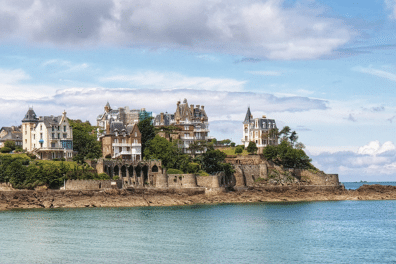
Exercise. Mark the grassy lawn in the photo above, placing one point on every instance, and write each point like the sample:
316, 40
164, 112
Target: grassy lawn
231, 151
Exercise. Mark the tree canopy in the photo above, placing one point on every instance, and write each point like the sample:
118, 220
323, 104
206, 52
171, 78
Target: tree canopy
252, 147
85, 141
147, 130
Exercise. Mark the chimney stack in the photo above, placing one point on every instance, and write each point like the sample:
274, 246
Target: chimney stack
202, 107
162, 118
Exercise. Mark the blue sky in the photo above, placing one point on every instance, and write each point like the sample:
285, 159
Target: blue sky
325, 68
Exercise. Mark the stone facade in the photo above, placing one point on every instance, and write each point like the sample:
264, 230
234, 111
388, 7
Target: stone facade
122, 142
48, 137
12, 133
92, 184
190, 124
123, 115
258, 130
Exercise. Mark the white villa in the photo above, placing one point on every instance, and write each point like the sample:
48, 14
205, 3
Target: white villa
48, 137
258, 130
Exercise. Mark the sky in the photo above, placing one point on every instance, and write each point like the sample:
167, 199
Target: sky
325, 68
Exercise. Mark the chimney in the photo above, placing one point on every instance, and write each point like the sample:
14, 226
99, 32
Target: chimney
192, 108
198, 106
107, 128
202, 107
178, 103
162, 118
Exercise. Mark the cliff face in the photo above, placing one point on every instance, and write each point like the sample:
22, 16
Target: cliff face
255, 170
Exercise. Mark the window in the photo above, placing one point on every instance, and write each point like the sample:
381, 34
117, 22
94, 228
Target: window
58, 128
123, 141
115, 140
65, 135
34, 136
53, 135
41, 127
41, 135
25, 132
135, 134
25, 141
64, 128
34, 145
53, 128
53, 145
58, 134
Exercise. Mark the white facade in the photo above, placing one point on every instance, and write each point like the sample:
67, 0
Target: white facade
258, 130
48, 137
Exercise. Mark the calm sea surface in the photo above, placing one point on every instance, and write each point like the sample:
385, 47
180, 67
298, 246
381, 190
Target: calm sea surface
308, 232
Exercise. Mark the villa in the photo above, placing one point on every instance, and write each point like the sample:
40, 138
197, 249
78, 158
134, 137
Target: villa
258, 130
48, 137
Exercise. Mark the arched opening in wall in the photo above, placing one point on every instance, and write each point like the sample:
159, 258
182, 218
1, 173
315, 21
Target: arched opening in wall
222, 181
145, 174
154, 168
130, 170
106, 169
123, 171
138, 170
116, 170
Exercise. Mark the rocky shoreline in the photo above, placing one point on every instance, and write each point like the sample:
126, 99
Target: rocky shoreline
170, 197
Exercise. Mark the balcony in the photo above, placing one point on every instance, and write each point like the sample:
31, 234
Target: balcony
121, 144
188, 138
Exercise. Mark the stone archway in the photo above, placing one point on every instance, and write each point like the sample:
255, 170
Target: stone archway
116, 170
123, 171
145, 174
154, 168
130, 170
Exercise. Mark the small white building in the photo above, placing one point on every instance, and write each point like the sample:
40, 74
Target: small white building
48, 137
258, 130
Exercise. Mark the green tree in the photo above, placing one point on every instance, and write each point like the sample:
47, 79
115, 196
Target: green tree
233, 144
252, 148
284, 154
85, 141
198, 145
147, 131
238, 150
10, 144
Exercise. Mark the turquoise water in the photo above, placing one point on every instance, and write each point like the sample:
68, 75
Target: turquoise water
309, 232
356, 185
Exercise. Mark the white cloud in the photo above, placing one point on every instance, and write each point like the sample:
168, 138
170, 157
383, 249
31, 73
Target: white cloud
376, 72
258, 28
391, 4
171, 80
374, 162
374, 148
12, 76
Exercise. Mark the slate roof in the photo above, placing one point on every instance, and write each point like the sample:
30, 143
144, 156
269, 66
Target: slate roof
167, 119
30, 116
52, 120
248, 116
116, 125
14, 135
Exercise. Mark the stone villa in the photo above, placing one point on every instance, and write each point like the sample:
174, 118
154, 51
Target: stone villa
120, 141
48, 137
12, 133
258, 130
191, 123
123, 114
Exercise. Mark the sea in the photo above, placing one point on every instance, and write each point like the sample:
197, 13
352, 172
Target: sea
286, 232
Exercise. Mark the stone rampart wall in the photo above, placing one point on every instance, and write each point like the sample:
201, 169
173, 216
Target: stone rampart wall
182, 181
6, 186
318, 178
92, 184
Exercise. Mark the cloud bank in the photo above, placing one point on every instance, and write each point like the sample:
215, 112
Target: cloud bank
259, 28
373, 161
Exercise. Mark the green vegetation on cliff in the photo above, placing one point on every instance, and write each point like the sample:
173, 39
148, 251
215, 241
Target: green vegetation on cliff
24, 173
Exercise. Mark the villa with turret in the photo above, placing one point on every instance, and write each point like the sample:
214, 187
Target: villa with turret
258, 130
191, 123
48, 137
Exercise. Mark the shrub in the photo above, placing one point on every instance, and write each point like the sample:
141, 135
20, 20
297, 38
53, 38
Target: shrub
30, 155
116, 177
238, 150
102, 176
203, 173
251, 148
233, 144
174, 171
5, 150
192, 167
108, 156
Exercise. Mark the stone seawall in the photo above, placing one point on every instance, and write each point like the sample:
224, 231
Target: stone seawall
188, 196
